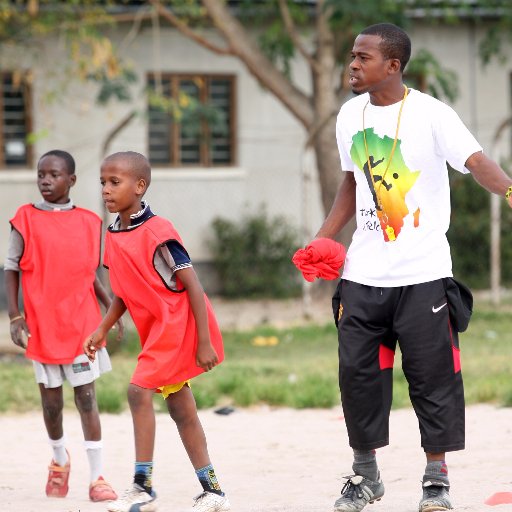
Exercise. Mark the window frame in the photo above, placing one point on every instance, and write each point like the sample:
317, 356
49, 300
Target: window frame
27, 106
174, 132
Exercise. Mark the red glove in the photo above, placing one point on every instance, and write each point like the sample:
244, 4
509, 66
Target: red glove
322, 258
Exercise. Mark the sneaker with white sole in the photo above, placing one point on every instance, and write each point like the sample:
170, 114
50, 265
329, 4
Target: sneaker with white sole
436, 496
134, 499
211, 502
357, 492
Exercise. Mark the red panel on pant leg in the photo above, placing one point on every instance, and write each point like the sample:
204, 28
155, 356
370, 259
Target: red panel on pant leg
455, 351
386, 357
456, 359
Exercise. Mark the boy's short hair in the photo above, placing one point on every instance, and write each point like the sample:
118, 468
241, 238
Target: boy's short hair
395, 43
138, 163
64, 155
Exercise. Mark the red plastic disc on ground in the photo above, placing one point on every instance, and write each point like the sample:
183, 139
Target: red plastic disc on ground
499, 498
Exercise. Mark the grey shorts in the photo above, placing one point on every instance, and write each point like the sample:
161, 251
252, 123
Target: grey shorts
81, 371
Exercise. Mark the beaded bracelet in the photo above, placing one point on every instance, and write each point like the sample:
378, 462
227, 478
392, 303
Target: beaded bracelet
16, 318
508, 193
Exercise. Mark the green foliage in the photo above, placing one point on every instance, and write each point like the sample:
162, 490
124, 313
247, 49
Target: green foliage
354, 16
498, 33
91, 54
277, 46
300, 371
116, 87
189, 112
440, 82
253, 257
469, 233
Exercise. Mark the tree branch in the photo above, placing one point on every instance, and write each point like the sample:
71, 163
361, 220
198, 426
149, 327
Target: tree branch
168, 15
292, 32
118, 128
317, 126
295, 100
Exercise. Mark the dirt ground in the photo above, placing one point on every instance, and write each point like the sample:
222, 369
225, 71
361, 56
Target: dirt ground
272, 460
275, 460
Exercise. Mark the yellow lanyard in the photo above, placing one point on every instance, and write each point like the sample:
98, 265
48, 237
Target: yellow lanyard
389, 229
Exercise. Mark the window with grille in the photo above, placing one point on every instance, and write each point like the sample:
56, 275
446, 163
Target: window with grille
15, 101
191, 120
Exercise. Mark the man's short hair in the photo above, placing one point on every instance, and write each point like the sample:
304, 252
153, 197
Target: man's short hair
395, 43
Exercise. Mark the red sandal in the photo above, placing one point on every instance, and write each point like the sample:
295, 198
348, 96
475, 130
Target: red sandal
101, 490
58, 477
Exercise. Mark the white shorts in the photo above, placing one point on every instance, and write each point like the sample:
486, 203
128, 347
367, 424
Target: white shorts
81, 371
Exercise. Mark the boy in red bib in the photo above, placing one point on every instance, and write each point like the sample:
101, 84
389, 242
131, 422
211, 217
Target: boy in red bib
152, 276
56, 247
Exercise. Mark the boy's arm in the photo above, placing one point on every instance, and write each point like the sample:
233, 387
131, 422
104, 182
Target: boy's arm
18, 327
206, 357
94, 341
104, 298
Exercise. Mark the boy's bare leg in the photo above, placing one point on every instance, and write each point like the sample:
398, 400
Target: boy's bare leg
85, 401
183, 410
140, 494
52, 402
143, 416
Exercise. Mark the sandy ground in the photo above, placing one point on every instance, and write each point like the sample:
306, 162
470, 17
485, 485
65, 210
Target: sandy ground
275, 460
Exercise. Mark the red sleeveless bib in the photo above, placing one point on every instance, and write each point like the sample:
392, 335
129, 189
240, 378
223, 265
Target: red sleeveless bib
58, 265
163, 318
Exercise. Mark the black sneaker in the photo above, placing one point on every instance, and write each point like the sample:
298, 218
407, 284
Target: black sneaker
357, 492
436, 496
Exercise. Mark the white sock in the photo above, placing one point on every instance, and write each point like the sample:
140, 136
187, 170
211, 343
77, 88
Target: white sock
94, 454
60, 455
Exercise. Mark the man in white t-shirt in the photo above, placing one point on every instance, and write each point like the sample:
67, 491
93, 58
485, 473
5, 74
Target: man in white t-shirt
394, 143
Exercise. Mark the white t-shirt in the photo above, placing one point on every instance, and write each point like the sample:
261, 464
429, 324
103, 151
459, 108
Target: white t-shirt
414, 192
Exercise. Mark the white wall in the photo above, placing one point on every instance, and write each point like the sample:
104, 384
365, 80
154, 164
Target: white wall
270, 141
269, 145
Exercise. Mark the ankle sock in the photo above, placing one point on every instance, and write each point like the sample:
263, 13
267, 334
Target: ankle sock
94, 455
60, 455
208, 480
365, 464
144, 475
437, 470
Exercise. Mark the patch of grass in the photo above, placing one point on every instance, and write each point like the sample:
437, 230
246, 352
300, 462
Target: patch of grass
19, 391
300, 371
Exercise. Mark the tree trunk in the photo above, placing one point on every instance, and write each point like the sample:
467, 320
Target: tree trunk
326, 108
328, 164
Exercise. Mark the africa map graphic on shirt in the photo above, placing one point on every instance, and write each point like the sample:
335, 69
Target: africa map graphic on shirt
392, 187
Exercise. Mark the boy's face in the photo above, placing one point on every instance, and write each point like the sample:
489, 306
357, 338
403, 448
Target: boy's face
121, 189
54, 180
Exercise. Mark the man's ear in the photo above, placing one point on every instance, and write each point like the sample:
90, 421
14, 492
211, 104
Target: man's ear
394, 66
72, 179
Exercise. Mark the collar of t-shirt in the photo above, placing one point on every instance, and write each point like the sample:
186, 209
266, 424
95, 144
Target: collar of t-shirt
54, 207
136, 219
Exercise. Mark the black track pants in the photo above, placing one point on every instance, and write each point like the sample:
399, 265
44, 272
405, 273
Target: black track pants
370, 322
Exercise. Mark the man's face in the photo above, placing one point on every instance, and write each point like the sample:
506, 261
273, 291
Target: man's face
369, 70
